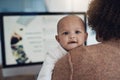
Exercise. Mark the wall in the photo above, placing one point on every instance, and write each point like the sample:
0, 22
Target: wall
67, 5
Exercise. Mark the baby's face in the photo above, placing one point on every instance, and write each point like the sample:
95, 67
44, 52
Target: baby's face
71, 34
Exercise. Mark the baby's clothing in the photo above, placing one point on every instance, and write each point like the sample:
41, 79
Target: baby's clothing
49, 63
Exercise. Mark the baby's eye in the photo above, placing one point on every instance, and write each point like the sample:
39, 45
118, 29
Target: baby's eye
77, 32
65, 33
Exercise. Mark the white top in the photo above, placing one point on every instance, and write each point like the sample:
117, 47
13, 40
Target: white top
49, 63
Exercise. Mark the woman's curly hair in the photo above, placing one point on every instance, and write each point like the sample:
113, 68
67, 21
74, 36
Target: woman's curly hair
104, 18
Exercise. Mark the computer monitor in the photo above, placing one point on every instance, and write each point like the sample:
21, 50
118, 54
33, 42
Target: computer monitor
26, 38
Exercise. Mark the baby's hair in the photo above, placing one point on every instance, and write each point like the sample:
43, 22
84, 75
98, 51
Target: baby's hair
69, 16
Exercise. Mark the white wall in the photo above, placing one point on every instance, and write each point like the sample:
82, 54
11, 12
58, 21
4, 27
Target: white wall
67, 5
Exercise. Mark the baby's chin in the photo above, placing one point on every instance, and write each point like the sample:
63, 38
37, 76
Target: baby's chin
71, 47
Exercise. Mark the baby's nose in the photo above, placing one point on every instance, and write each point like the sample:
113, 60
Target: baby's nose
72, 36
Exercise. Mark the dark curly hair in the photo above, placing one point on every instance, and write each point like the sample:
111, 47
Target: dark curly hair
104, 18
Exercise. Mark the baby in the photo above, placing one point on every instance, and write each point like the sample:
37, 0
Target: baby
71, 33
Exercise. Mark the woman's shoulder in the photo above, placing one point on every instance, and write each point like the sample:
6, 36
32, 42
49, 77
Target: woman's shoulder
86, 50
96, 49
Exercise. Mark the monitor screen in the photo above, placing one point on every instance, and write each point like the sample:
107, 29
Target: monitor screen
27, 38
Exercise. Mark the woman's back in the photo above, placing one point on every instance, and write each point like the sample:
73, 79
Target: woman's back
96, 62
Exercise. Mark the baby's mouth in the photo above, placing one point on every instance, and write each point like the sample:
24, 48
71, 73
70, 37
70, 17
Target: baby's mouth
72, 42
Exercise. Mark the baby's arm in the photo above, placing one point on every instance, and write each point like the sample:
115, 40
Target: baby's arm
49, 63
46, 70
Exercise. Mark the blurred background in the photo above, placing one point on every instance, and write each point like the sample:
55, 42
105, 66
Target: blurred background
43, 5
38, 6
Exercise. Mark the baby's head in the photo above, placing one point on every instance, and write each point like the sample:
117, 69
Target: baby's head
71, 32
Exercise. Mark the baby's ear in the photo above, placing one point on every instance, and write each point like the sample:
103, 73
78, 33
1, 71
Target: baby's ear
57, 38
